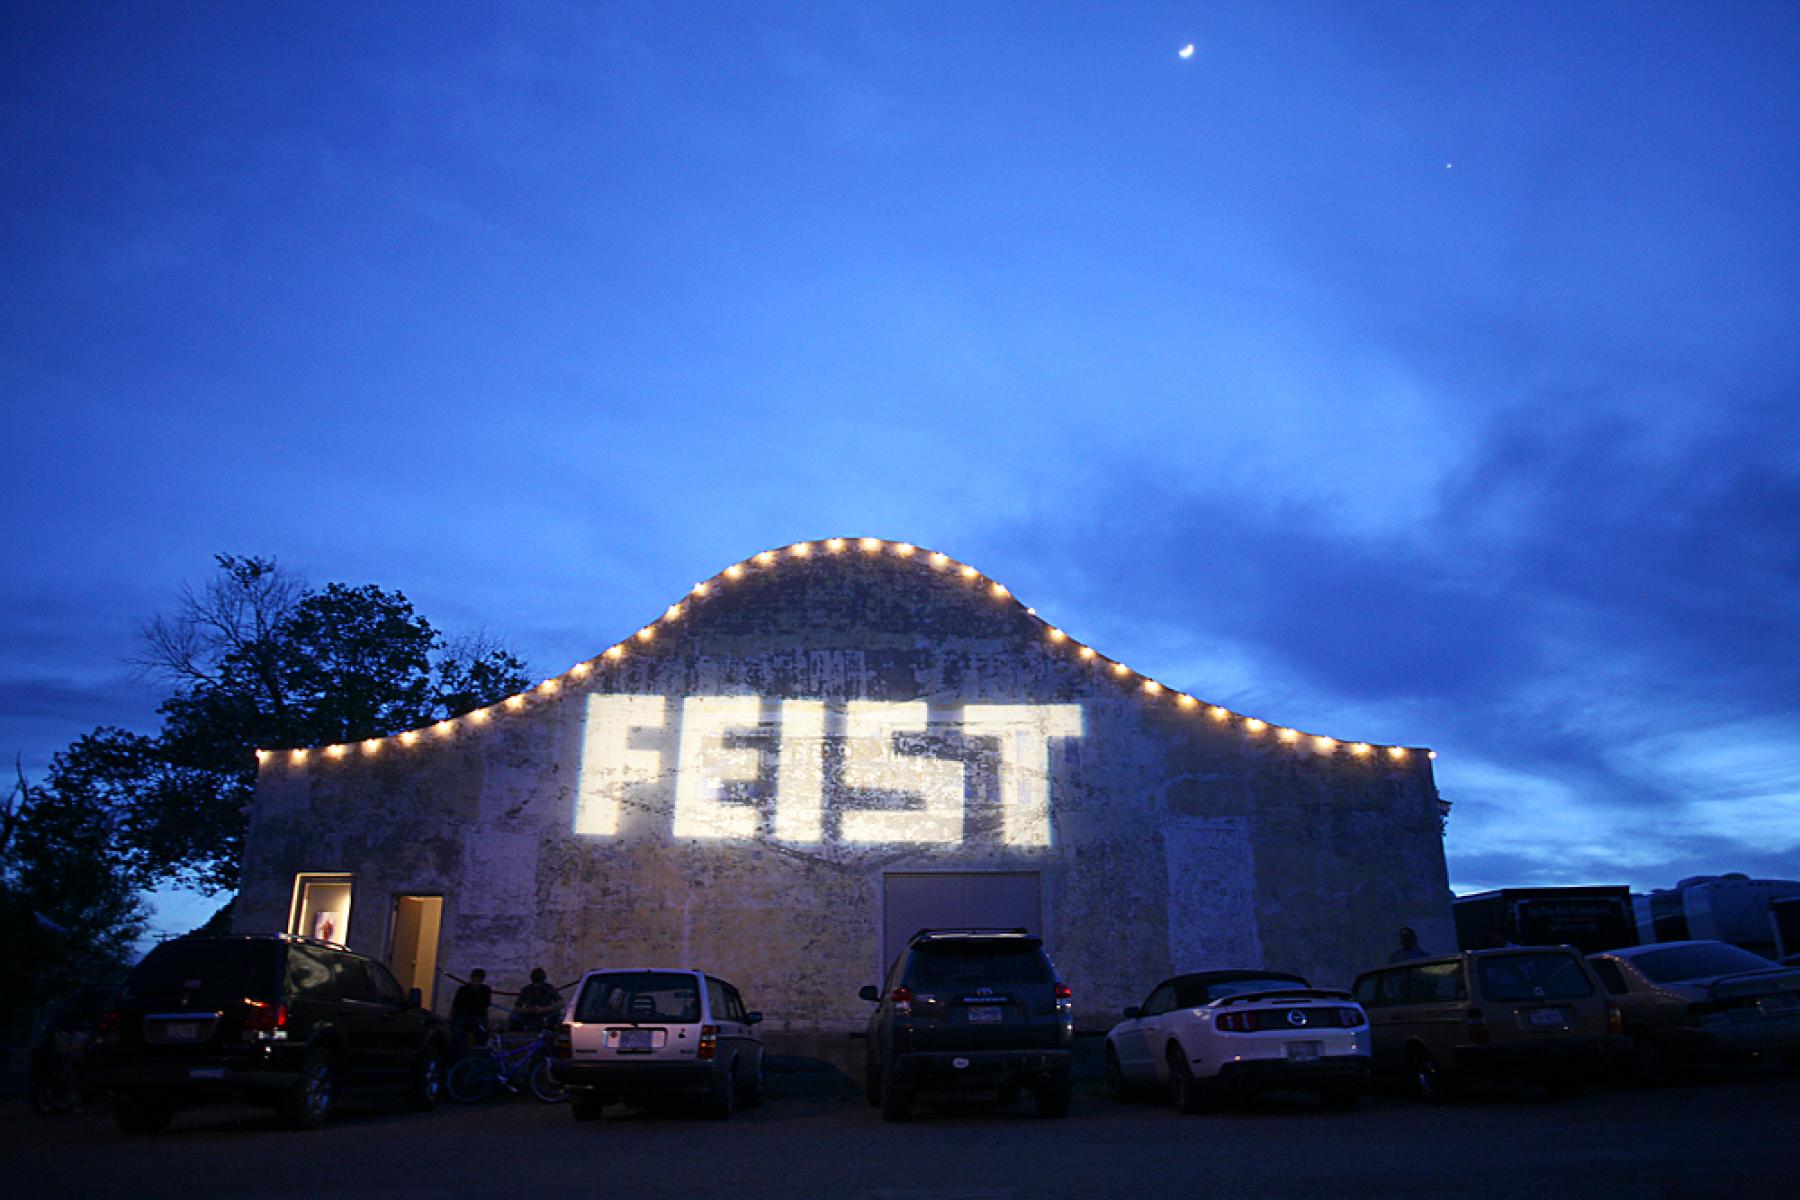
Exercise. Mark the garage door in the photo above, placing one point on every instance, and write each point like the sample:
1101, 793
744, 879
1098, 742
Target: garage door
962, 899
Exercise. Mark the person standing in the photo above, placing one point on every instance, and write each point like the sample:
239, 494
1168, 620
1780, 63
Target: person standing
1409, 948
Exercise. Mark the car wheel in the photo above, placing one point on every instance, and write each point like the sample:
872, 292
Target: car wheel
723, 1101
1052, 1096
1341, 1098
1115, 1075
1435, 1085
752, 1096
427, 1080
587, 1107
544, 1085
896, 1101
309, 1101
134, 1114
1184, 1092
471, 1080
872, 1081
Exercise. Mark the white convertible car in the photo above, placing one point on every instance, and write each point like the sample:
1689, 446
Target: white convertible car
1242, 1031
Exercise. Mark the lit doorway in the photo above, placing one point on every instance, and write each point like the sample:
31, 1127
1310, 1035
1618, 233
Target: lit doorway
413, 949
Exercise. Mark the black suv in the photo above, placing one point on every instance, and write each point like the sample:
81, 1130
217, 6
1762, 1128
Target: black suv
280, 1021
970, 1009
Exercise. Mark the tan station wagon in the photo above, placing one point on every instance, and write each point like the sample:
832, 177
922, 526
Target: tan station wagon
1531, 1013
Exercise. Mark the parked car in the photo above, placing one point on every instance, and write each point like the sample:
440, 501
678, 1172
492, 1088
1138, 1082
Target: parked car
1687, 1002
1241, 1031
644, 1035
970, 1010
281, 1021
1529, 1013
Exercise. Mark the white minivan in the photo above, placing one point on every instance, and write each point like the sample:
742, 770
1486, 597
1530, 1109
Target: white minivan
640, 1035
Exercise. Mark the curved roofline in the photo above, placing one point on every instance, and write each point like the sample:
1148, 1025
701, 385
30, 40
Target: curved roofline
1147, 687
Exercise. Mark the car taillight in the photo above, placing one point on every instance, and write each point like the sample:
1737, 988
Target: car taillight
1234, 1022
108, 1025
1352, 1018
563, 1045
902, 998
709, 1042
264, 1021
1615, 1020
1064, 992
1477, 1023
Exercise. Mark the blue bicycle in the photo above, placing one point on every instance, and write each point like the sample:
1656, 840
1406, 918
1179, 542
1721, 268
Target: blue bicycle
497, 1065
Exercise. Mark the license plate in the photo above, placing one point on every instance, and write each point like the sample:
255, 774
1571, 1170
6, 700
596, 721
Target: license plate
1304, 1052
984, 1016
206, 1073
181, 1031
636, 1040
1547, 1018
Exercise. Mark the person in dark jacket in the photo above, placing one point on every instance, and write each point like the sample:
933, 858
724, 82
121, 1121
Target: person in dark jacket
468, 1012
539, 1005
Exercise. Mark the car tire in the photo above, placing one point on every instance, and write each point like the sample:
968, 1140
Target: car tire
308, 1103
427, 1082
471, 1080
1341, 1098
1184, 1090
135, 1114
723, 1101
1116, 1086
896, 1101
751, 1094
586, 1107
1434, 1084
871, 1081
1053, 1096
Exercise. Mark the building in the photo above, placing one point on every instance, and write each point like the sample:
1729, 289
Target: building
820, 750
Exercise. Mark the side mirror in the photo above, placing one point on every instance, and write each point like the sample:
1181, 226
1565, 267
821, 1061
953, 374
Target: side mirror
1132, 1012
870, 994
414, 999
752, 1018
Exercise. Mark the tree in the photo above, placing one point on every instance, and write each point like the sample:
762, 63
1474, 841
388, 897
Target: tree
257, 659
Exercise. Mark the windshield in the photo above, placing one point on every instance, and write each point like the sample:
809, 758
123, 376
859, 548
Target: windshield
1221, 988
1532, 977
952, 966
639, 996
211, 972
1698, 962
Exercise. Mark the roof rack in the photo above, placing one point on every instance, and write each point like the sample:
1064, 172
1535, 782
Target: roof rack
970, 931
312, 941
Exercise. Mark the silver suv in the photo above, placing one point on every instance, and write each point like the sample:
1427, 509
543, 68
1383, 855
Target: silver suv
641, 1035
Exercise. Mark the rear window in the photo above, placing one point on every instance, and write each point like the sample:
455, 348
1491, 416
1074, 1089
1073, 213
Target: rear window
1532, 977
639, 996
211, 972
1196, 993
951, 966
1698, 962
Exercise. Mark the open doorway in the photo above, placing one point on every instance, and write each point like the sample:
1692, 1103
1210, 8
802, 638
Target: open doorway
412, 953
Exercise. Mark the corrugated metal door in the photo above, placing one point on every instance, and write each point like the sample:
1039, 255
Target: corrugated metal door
935, 899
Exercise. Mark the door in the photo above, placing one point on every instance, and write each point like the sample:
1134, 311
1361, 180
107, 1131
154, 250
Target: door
1139, 1053
912, 901
412, 950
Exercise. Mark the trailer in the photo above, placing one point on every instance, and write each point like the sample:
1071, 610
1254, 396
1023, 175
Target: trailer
1728, 908
1590, 919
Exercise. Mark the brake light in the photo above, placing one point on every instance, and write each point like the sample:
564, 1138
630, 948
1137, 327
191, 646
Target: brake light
1064, 993
264, 1021
1477, 1023
709, 1042
563, 1045
109, 1024
902, 998
1234, 1022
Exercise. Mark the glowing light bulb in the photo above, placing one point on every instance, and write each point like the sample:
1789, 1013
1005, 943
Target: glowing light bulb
1000, 592
1360, 749
870, 545
765, 558
1087, 652
580, 670
1397, 752
1324, 745
671, 612
969, 572
1188, 701
548, 686
446, 728
479, 716
1121, 669
336, 751
1288, 735
616, 652
905, 549
1153, 687
409, 738
734, 571
835, 545
515, 702
647, 633
372, 746
262, 755
940, 560
1217, 713
1057, 635
298, 756
800, 549
1431, 754
1255, 726
700, 589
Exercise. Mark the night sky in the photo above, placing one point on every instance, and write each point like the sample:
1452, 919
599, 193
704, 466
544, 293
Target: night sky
1416, 373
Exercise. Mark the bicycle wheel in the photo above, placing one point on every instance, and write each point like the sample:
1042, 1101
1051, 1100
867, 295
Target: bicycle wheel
544, 1085
472, 1079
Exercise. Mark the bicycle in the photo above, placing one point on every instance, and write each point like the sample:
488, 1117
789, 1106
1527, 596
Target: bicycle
497, 1065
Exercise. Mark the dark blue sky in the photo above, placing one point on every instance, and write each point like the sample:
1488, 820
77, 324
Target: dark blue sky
1407, 372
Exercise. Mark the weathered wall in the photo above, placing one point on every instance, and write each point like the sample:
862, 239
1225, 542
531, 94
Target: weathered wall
1177, 838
